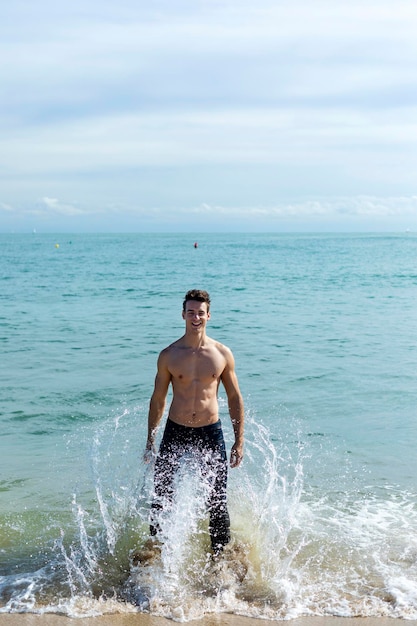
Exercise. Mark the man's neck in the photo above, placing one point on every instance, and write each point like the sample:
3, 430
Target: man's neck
194, 341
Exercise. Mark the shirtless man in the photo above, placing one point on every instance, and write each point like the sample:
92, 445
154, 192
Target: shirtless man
195, 365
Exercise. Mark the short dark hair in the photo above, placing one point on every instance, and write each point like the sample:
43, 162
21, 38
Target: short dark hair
196, 294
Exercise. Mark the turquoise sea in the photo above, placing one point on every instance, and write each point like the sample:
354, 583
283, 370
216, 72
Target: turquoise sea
324, 507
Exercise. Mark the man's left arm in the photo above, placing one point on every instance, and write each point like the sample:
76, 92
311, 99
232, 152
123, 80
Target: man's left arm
236, 409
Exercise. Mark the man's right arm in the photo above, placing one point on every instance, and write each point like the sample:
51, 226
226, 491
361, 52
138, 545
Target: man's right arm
236, 409
157, 403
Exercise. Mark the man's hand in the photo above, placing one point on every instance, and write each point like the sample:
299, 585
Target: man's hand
150, 453
236, 455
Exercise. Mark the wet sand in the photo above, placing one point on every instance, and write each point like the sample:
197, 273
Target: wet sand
142, 619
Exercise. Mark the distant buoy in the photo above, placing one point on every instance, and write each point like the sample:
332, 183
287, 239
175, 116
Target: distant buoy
57, 245
195, 245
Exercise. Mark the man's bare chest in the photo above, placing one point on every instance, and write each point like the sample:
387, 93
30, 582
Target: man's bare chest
197, 365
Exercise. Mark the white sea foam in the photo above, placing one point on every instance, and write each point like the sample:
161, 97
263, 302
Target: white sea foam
292, 553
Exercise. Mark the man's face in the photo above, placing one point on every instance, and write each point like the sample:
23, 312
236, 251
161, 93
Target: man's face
196, 315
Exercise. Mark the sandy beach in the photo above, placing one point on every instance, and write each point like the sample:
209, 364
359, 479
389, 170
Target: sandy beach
142, 619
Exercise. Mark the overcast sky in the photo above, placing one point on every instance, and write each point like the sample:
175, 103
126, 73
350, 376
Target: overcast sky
208, 115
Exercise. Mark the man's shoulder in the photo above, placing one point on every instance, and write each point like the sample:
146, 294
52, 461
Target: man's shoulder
224, 350
171, 349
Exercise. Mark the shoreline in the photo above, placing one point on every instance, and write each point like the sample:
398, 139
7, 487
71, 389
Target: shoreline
222, 619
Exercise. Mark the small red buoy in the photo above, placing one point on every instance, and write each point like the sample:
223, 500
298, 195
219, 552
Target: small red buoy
195, 245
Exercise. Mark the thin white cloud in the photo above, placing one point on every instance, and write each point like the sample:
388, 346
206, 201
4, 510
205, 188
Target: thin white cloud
48, 206
228, 51
359, 206
322, 93
350, 211
7, 208
267, 136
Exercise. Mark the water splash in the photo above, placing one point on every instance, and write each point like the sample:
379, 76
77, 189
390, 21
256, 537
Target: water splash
297, 548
